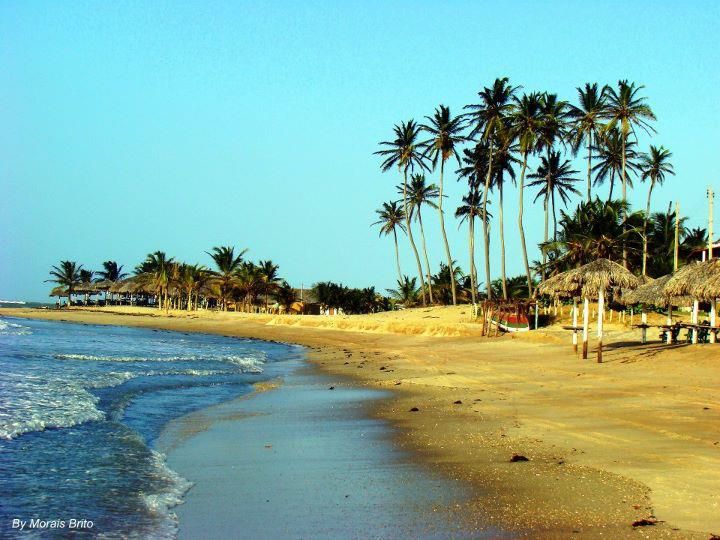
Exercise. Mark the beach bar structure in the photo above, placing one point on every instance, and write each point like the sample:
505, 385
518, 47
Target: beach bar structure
590, 281
699, 281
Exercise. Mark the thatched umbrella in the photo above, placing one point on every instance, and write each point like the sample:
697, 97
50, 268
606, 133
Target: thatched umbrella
700, 281
592, 280
59, 291
559, 287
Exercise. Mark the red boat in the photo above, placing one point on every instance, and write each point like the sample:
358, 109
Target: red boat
511, 322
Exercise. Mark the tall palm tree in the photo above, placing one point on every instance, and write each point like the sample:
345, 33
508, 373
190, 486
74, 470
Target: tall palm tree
526, 123
489, 118
475, 172
270, 279
420, 193
627, 110
157, 270
471, 209
445, 135
227, 264
249, 281
504, 159
404, 152
654, 166
111, 272
191, 278
66, 274
391, 218
610, 160
552, 177
586, 127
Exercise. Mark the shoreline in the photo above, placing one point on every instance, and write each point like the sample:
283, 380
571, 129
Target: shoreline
576, 483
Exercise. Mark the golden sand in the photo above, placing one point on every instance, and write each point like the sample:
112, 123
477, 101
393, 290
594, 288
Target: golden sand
608, 444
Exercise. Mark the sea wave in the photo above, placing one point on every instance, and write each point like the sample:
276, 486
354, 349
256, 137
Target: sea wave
11, 329
247, 364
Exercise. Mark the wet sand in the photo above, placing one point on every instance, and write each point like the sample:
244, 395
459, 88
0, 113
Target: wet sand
305, 461
608, 444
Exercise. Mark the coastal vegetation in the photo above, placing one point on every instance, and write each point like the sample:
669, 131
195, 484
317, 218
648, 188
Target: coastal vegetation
531, 139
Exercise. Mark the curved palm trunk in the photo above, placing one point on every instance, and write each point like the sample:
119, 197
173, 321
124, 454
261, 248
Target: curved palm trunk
645, 222
554, 218
486, 232
502, 241
397, 255
520, 225
427, 262
471, 245
624, 196
442, 229
410, 236
612, 185
589, 186
545, 207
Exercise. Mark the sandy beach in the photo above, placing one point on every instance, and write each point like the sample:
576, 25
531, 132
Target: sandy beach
608, 444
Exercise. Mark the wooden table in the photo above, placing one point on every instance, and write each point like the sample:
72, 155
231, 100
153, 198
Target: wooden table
644, 327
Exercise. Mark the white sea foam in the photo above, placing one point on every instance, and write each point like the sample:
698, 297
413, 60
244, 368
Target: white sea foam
160, 504
11, 329
245, 363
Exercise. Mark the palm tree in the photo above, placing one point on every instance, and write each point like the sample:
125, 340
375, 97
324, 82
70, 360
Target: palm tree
627, 110
586, 124
406, 292
504, 160
444, 280
191, 278
470, 210
551, 177
285, 295
157, 270
270, 278
227, 264
490, 118
391, 219
526, 124
66, 274
404, 152
111, 272
610, 160
248, 279
661, 240
653, 166
419, 193
444, 130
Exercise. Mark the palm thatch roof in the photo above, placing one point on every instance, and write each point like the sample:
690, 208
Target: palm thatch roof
654, 293
589, 279
103, 285
133, 285
58, 291
700, 281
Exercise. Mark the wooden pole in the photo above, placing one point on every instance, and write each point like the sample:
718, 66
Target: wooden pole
536, 316
677, 236
586, 315
710, 223
601, 316
713, 317
644, 330
696, 307
574, 323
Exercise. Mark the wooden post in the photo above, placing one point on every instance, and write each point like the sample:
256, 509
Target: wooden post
632, 316
713, 317
669, 321
536, 316
601, 316
586, 313
574, 323
710, 223
694, 320
644, 330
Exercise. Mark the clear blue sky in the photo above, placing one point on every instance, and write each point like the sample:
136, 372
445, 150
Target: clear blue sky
127, 127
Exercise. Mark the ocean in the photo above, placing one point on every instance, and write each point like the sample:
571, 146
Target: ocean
81, 408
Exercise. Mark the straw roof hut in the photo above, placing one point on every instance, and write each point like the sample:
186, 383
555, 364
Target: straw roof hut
591, 281
654, 293
133, 285
685, 280
58, 291
709, 287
